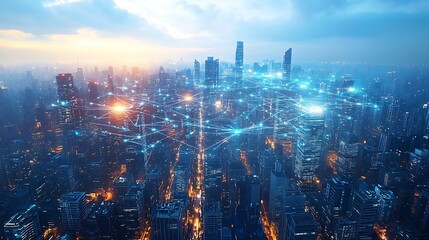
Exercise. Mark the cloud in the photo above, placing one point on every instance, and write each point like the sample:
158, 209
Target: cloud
56, 3
85, 44
14, 34
203, 19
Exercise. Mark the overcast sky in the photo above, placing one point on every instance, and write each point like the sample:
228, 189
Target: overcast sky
139, 31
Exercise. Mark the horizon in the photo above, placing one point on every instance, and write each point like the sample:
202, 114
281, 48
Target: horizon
132, 32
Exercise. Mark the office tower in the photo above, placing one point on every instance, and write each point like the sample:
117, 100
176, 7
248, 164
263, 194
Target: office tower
346, 164
337, 195
73, 210
239, 55
387, 201
266, 165
301, 227
250, 190
197, 71
212, 221
419, 212
345, 229
293, 202
167, 221
132, 213
24, 225
181, 174
122, 184
80, 79
368, 162
163, 76
364, 211
66, 96
92, 92
66, 180
309, 145
106, 220
278, 182
419, 166
211, 72
287, 62
347, 83
110, 86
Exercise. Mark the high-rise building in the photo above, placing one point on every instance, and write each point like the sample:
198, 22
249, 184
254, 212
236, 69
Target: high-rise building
287, 62
66, 178
110, 86
132, 213
212, 221
24, 225
387, 201
301, 227
364, 211
122, 184
266, 165
73, 210
309, 144
92, 92
211, 72
167, 221
346, 164
197, 71
278, 182
239, 55
419, 214
80, 79
337, 195
66, 96
107, 220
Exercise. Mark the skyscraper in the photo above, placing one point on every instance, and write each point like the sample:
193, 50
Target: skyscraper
80, 79
287, 62
301, 227
73, 210
106, 220
167, 221
364, 212
309, 144
66, 96
197, 71
212, 221
239, 54
211, 72
24, 225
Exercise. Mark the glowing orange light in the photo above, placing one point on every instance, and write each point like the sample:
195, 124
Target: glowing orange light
188, 98
218, 104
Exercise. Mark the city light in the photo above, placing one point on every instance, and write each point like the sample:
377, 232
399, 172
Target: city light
313, 109
218, 104
188, 98
118, 108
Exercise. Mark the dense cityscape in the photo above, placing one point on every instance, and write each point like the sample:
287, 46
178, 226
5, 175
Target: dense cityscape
214, 120
225, 151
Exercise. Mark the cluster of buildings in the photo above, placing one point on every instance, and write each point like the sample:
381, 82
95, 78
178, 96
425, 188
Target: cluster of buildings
224, 151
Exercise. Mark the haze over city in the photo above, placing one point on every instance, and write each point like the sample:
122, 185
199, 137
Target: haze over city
214, 120
130, 31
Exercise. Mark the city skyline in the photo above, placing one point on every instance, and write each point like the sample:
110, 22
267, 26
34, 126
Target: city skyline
136, 32
214, 120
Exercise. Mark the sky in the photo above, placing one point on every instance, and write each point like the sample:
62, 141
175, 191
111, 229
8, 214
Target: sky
148, 31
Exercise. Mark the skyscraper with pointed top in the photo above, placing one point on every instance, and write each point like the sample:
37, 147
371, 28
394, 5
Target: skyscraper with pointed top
197, 71
287, 62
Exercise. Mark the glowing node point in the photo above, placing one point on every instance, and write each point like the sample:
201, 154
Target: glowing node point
188, 98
